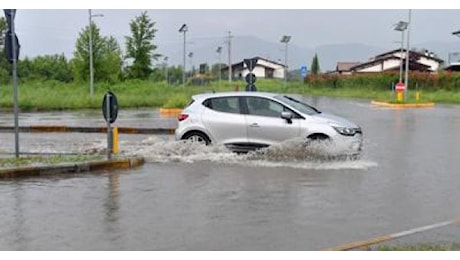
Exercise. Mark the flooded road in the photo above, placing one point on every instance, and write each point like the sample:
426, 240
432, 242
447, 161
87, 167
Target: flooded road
188, 197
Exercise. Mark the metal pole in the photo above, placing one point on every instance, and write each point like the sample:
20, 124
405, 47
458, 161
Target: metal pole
183, 71
285, 64
401, 60
91, 72
166, 72
406, 80
230, 57
109, 129
220, 68
15, 90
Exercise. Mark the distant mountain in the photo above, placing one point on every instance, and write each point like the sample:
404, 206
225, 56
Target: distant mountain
328, 55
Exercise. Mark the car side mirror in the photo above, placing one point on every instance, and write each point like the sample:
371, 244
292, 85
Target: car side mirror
287, 115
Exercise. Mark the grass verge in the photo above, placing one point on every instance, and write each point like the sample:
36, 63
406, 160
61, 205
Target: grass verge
41, 160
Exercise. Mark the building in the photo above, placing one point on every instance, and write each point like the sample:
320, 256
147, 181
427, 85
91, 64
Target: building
391, 61
264, 68
453, 67
344, 68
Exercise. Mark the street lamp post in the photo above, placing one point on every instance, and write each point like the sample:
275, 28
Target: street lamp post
406, 76
165, 59
401, 27
91, 70
183, 29
219, 51
190, 56
285, 40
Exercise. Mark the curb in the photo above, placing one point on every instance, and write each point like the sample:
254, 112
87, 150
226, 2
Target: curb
402, 106
380, 239
170, 111
29, 171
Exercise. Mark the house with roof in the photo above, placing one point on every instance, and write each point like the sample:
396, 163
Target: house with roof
264, 68
453, 67
391, 61
344, 68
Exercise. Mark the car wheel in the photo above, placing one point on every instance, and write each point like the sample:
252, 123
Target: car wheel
197, 137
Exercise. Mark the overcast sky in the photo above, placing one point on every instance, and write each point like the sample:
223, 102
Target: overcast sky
47, 31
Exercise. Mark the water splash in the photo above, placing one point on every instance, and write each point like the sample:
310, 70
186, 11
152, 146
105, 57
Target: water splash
291, 153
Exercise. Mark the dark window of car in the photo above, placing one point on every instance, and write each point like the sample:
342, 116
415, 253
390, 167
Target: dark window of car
263, 107
223, 104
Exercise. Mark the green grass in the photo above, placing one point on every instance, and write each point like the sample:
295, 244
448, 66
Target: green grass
46, 160
53, 95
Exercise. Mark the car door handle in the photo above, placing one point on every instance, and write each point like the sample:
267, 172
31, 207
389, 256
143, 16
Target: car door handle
254, 125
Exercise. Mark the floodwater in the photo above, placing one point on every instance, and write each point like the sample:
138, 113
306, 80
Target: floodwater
189, 197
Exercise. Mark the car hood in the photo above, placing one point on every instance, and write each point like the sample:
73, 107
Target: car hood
333, 119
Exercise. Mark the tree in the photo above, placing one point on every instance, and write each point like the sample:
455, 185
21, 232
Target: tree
47, 67
140, 46
4, 71
112, 60
107, 59
315, 65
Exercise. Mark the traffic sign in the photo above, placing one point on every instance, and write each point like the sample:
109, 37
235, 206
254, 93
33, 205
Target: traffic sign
9, 41
400, 87
303, 71
250, 63
112, 107
251, 78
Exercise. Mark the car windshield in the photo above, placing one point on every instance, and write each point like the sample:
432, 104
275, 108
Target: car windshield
298, 105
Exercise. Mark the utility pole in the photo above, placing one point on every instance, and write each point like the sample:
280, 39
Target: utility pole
230, 56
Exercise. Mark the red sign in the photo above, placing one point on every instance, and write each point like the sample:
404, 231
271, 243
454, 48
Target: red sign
400, 87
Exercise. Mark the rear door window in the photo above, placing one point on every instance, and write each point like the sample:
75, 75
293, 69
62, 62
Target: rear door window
224, 104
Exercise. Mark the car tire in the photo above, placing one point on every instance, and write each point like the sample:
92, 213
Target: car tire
198, 137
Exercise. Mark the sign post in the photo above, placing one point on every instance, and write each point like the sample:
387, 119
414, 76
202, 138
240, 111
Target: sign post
12, 50
400, 89
251, 77
110, 112
303, 71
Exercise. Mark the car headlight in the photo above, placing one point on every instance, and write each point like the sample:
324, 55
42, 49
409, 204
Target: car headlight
345, 130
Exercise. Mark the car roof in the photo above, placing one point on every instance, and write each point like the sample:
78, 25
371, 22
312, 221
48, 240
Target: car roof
234, 93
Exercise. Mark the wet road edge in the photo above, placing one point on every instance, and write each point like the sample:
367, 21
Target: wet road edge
33, 171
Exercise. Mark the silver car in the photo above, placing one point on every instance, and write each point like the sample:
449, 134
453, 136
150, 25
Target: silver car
245, 121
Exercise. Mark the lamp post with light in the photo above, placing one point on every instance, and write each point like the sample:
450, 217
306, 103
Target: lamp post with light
91, 69
401, 27
219, 51
183, 29
285, 40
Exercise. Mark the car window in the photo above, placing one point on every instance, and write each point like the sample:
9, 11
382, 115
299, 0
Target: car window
224, 104
299, 105
263, 107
